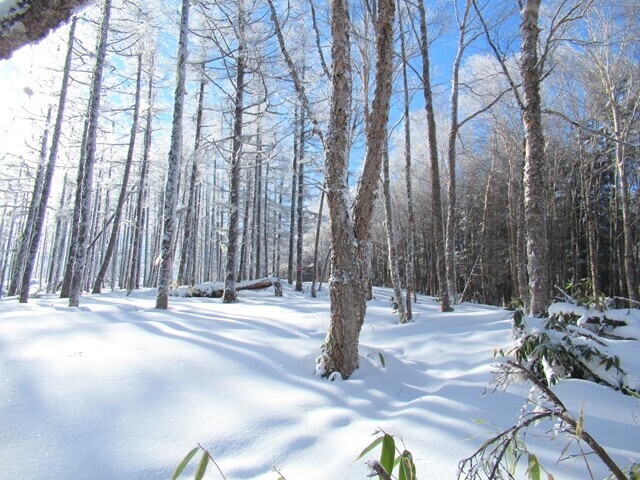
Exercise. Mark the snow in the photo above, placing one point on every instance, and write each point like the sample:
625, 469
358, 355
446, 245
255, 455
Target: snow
6, 7
115, 389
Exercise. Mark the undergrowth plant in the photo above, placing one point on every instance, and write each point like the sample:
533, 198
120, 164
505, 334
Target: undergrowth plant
575, 341
390, 458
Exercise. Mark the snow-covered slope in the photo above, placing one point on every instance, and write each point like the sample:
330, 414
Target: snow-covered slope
118, 390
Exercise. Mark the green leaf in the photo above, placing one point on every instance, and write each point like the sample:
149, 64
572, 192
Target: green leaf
407, 468
368, 448
534, 467
480, 421
388, 453
202, 466
185, 461
518, 316
580, 424
382, 362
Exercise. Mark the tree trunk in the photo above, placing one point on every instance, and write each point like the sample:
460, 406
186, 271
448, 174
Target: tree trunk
48, 176
340, 348
314, 279
173, 170
630, 274
230, 294
534, 211
300, 204
411, 227
346, 290
186, 267
88, 160
30, 223
97, 285
394, 269
435, 167
133, 271
294, 198
450, 246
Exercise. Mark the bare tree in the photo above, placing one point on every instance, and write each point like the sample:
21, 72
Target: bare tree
175, 153
111, 245
48, 176
436, 200
230, 294
85, 188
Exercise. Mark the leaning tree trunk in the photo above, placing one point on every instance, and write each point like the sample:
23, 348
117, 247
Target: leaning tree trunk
173, 171
51, 165
435, 168
348, 280
230, 294
534, 212
88, 161
97, 285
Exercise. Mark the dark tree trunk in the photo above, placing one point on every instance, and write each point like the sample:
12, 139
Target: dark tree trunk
436, 200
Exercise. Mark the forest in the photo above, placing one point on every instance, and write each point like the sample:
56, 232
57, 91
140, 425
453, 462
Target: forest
463, 158
480, 152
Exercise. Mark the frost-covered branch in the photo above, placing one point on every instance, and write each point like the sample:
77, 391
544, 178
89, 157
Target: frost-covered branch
29, 21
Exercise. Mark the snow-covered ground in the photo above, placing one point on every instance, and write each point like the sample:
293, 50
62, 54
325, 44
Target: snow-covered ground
118, 390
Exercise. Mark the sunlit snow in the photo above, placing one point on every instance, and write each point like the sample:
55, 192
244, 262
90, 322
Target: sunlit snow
115, 389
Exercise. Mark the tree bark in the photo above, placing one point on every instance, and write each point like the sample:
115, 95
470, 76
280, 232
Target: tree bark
450, 246
97, 285
435, 167
300, 204
230, 294
294, 198
411, 227
88, 161
340, 349
347, 284
48, 176
173, 169
316, 245
534, 210
37, 18
133, 273
394, 269
32, 219
186, 269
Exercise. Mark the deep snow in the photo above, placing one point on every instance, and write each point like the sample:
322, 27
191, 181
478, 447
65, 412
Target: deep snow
115, 389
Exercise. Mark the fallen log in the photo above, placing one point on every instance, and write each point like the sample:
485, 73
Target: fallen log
216, 289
